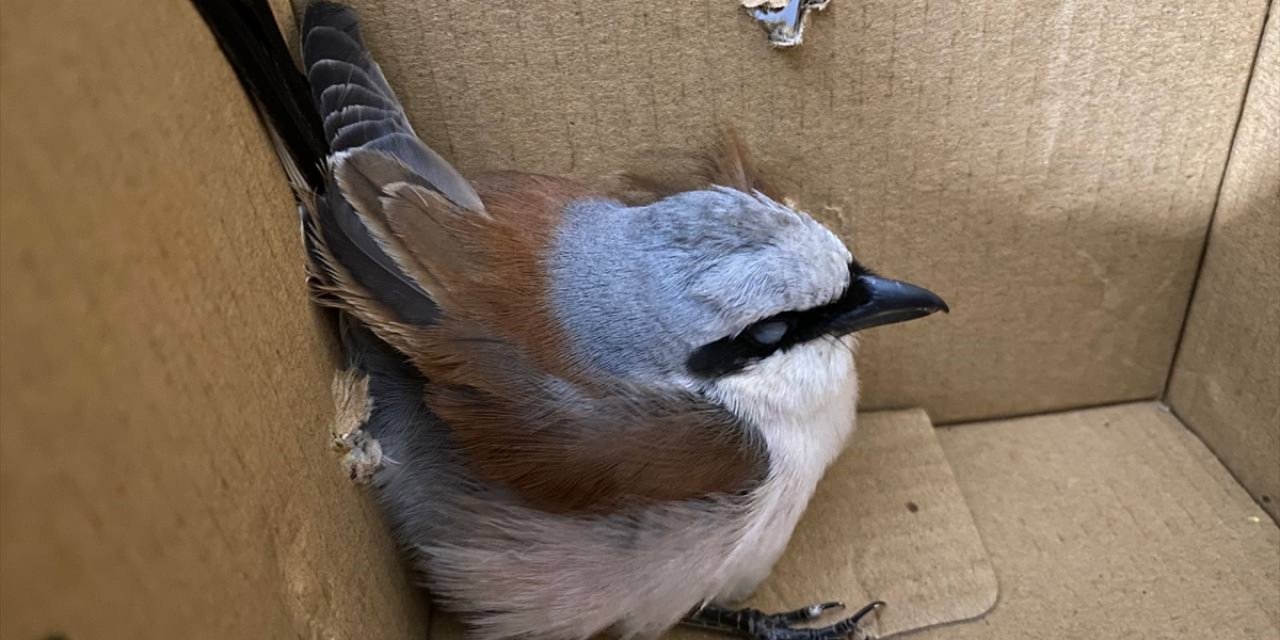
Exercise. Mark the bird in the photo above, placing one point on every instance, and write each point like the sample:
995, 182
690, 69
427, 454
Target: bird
592, 409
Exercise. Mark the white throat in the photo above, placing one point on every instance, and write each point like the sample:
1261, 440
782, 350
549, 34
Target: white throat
803, 402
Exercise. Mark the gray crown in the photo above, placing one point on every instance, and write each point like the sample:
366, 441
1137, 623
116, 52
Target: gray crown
639, 288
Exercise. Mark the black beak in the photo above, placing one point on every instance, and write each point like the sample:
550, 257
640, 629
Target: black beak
884, 301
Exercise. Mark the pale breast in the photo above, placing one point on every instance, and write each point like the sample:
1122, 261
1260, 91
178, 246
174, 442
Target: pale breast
803, 403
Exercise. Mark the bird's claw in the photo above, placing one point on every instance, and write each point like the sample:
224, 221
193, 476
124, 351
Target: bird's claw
753, 624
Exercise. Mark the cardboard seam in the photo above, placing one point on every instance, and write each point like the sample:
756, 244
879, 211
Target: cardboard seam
1213, 215
1166, 399
1186, 424
1045, 412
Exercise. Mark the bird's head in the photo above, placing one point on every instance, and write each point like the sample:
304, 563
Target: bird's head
706, 286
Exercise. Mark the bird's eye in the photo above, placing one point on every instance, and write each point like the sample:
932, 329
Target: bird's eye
768, 333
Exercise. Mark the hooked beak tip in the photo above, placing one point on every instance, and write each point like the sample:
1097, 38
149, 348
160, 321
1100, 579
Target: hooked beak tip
890, 302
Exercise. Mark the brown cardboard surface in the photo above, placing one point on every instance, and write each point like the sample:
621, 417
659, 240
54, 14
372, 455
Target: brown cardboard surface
1049, 168
1226, 381
164, 463
861, 538
1113, 523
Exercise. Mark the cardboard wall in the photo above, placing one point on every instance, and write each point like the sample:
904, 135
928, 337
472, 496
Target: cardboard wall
1049, 167
164, 469
1226, 382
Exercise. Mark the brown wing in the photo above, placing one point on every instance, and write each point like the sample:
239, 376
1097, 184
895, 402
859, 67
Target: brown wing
573, 446
522, 414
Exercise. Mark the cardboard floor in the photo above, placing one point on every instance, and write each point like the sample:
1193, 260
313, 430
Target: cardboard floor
1113, 523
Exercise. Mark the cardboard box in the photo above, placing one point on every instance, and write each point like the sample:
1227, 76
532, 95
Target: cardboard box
1094, 187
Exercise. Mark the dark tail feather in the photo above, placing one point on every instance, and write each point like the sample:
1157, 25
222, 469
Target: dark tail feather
247, 32
343, 103
359, 109
356, 104
365, 351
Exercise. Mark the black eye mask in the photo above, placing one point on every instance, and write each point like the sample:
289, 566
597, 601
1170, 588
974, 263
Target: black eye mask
775, 333
869, 301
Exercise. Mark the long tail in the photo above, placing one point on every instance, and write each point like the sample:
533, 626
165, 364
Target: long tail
343, 105
249, 37
359, 110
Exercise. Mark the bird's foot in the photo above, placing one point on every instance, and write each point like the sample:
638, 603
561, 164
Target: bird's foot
753, 624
